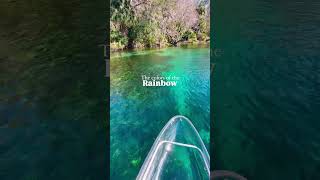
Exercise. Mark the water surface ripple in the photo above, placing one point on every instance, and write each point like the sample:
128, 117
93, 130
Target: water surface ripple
267, 91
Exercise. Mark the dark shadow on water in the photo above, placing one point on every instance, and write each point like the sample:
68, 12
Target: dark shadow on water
266, 89
53, 93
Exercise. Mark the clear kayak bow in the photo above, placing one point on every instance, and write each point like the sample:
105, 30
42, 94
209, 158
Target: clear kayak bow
178, 153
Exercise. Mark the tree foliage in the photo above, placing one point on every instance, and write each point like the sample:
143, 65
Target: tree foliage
157, 23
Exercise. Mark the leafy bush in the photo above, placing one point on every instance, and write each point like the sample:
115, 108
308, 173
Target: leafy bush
157, 23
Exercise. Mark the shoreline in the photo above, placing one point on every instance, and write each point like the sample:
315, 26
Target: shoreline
184, 43
141, 51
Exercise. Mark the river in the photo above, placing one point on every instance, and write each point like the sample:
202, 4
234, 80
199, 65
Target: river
53, 100
266, 87
53, 90
138, 113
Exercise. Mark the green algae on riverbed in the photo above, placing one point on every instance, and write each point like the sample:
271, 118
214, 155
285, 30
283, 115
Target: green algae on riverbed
139, 113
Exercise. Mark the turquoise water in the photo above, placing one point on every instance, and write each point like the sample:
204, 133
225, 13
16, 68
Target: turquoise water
139, 113
266, 86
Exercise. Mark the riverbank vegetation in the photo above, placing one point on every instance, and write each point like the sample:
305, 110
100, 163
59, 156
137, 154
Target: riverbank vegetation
139, 24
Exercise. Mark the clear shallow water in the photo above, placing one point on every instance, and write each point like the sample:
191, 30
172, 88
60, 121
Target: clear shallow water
139, 113
266, 89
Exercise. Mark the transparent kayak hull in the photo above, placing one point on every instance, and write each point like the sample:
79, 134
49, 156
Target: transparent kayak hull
178, 153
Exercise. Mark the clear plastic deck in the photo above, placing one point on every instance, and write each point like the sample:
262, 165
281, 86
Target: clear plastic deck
178, 153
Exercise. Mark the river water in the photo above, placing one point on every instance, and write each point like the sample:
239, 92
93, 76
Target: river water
266, 89
53, 90
138, 113
265, 94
